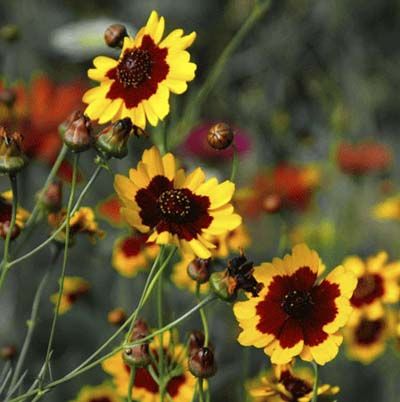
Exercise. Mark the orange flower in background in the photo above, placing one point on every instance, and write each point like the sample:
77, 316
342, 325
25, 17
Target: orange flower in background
37, 112
365, 157
109, 210
292, 186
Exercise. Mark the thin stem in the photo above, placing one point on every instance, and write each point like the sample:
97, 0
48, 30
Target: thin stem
4, 263
65, 258
235, 163
160, 288
62, 226
316, 379
131, 383
201, 390
203, 317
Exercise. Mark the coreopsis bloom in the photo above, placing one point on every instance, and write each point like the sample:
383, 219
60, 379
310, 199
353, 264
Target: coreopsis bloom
292, 185
38, 110
5, 215
133, 253
74, 288
366, 339
175, 208
284, 384
180, 387
363, 158
230, 242
137, 85
98, 393
296, 313
109, 209
377, 284
388, 209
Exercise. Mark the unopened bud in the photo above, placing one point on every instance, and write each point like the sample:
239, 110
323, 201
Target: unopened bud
114, 35
65, 124
137, 356
113, 140
12, 159
272, 203
8, 97
117, 316
220, 136
78, 135
196, 341
199, 270
139, 330
52, 198
8, 352
223, 285
202, 363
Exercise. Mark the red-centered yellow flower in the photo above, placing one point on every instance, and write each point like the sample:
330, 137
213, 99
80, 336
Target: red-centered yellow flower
137, 85
377, 285
231, 242
366, 340
5, 215
98, 393
175, 208
284, 384
296, 313
180, 387
74, 288
109, 209
133, 253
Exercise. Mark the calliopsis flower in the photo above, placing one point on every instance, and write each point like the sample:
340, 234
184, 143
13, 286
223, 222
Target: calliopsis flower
377, 284
285, 384
388, 209
74, 288
296, 313
5, 215
232, 241
366, 339
138, 84
133, 253
364, 157
175, 208
180, 387
109, 209
97, 393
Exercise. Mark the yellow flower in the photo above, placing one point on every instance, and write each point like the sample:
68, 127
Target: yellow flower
388, 209
132, 253
377, 285
284, 384
137, 85
99, 393
5, 214
296, 313
180, 387
366, 339
175, 208
230, 242
74, 288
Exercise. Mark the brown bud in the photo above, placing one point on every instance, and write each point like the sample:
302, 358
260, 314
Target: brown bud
52, 198
12, 159
196, 341
114, 35
5, 227
8, 352
65, 124
139, 330
220, 136
137, 356
78, 135
202, 363
117, 316
8, 96
199, 270
272, 203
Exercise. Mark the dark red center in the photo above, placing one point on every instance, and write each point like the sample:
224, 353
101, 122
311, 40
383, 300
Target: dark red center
297, 303
296, 386
5, 211
369, 288
100, 399
368, 331
174, 205
134, 67
133, 245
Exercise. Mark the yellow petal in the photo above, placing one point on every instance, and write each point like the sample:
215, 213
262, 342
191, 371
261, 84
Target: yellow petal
110, 112
168, 161
199, 249
152, 159
194, 179
96, 108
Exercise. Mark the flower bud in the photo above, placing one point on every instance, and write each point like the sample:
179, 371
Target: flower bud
5, 227
223, 285
65, 124
139, 330
117, 316
137, 356
8, 97
114, 35
272, 203
112, 141
196, 341
52, 198
199, 270
8, 352
12, 160
220, 136
202, 363
78, 135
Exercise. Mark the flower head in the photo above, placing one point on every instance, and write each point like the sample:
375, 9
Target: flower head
98, 393
284, 384
175, 208
295, 313
180, 387
137, 85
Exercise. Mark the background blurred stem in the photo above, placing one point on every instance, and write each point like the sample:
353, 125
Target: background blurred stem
203, 317
235, 163
161, 368
315, 388
131, 382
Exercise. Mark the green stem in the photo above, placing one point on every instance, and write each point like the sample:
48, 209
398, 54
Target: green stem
201, 390
64, 264
131, 383
203, 317
315, 388
4, 263
161, 368
62, 226
235, 163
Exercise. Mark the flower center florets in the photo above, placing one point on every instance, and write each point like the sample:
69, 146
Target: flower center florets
174, 204
134, 68
297, 303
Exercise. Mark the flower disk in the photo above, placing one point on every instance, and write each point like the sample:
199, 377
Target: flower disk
138, 84
175, 208
294, 314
